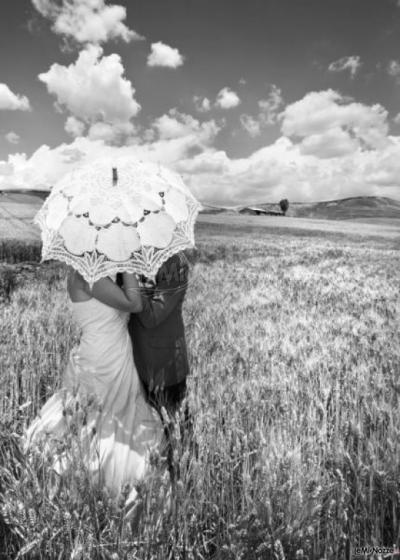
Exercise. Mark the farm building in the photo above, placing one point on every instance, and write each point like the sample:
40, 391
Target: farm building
257, 211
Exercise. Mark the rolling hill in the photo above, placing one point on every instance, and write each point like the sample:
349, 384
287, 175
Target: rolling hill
17, 209
362, 208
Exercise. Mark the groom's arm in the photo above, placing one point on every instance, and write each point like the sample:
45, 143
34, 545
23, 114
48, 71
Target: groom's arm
158, 303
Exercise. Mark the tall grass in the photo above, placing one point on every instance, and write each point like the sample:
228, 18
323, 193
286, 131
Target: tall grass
295, 351
14, 250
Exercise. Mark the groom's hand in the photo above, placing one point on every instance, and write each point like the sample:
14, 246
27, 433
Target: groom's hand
146, 286
149, 284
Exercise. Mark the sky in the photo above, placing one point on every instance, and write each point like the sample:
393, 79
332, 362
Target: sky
249, 101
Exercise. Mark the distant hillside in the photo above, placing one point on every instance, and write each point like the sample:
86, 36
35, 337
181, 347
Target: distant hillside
360, 208
17, 209
210, 209
23, 196
348, 208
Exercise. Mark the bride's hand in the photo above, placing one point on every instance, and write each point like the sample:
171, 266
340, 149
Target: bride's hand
130, 281
131, 288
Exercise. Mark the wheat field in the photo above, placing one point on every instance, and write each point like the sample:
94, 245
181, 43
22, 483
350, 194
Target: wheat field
294, 347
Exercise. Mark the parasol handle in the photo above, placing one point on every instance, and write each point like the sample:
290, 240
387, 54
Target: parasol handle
114, 176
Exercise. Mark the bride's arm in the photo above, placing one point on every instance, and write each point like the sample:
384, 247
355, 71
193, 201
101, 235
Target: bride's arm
126, 299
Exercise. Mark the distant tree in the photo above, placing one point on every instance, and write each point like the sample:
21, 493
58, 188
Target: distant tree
284, 204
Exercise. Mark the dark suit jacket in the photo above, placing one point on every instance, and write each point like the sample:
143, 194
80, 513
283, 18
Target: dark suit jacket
157, 332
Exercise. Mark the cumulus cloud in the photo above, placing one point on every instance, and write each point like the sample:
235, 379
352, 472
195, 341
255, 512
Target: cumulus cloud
270, 173
87, 21
283, 170
263, 176
331, 148
252, 125
333, 143
227, 99
393, 69
268, 113
37, 172
12, 137
164, 55
171, 138
74, 126
202, 104
210, 161
175, 124
6, 169
112, 133
321, 155
11, 101
269, 107
95, 92
330, 125
180, 133
384, 169
350, 63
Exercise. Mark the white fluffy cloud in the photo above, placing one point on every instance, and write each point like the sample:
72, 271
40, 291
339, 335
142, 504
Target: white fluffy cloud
112, 133
95, 92
331, 125
252, 125
321, 155
176, 125
164, 55
282, 170
227, 99
11, 101
268, 113
172, 138
12, 137
265, 175
74, 126
333, 143
87, 21
37, 172
350, 63
331, 148
393, 69
202, 104
269, 107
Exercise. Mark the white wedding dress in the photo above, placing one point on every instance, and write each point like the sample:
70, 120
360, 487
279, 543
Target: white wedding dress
118, 436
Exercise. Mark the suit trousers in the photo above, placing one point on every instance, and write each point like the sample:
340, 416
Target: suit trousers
171, 398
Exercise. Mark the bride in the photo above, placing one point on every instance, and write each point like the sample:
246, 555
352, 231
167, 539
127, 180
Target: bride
120, 429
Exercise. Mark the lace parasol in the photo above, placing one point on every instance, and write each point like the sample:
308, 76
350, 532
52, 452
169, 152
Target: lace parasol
117, 215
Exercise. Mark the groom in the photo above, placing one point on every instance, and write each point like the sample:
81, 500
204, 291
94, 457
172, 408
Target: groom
158, 337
